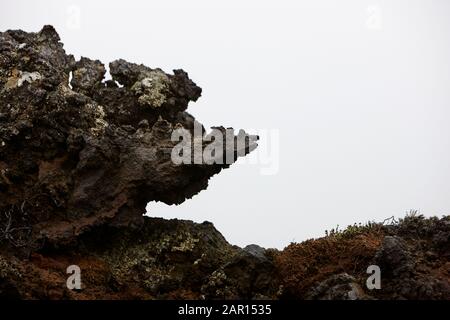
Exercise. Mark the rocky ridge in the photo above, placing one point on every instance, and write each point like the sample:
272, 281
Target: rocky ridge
80, 158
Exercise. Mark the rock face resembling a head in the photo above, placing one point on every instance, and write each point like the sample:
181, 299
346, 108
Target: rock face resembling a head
88, 152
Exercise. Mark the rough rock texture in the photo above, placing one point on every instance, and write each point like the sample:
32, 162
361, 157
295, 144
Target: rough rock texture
337, 287
88, 153
413, 255
80, 158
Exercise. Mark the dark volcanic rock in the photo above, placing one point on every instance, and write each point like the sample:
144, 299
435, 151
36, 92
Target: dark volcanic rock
338, 287
413, 256
88, 153
81, 157
249, 274
80, 160
394, 257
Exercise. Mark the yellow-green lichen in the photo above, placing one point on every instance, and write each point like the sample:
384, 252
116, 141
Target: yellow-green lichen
152, 89
217, 278
187, 244
7, 270
123, 259
100, 122
122, 262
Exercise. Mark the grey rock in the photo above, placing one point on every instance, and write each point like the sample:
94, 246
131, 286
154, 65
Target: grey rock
338, 287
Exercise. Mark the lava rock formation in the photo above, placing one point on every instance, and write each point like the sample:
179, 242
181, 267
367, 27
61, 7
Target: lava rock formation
80, 158
85, 153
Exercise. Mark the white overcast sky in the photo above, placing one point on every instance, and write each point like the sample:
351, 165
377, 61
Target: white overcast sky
357, 91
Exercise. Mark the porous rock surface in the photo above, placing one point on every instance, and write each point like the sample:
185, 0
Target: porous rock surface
81, 157
89, 152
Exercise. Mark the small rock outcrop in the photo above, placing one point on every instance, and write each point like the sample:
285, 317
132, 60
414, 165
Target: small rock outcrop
77, 151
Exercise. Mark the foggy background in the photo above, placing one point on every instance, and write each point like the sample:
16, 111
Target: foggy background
353, 95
